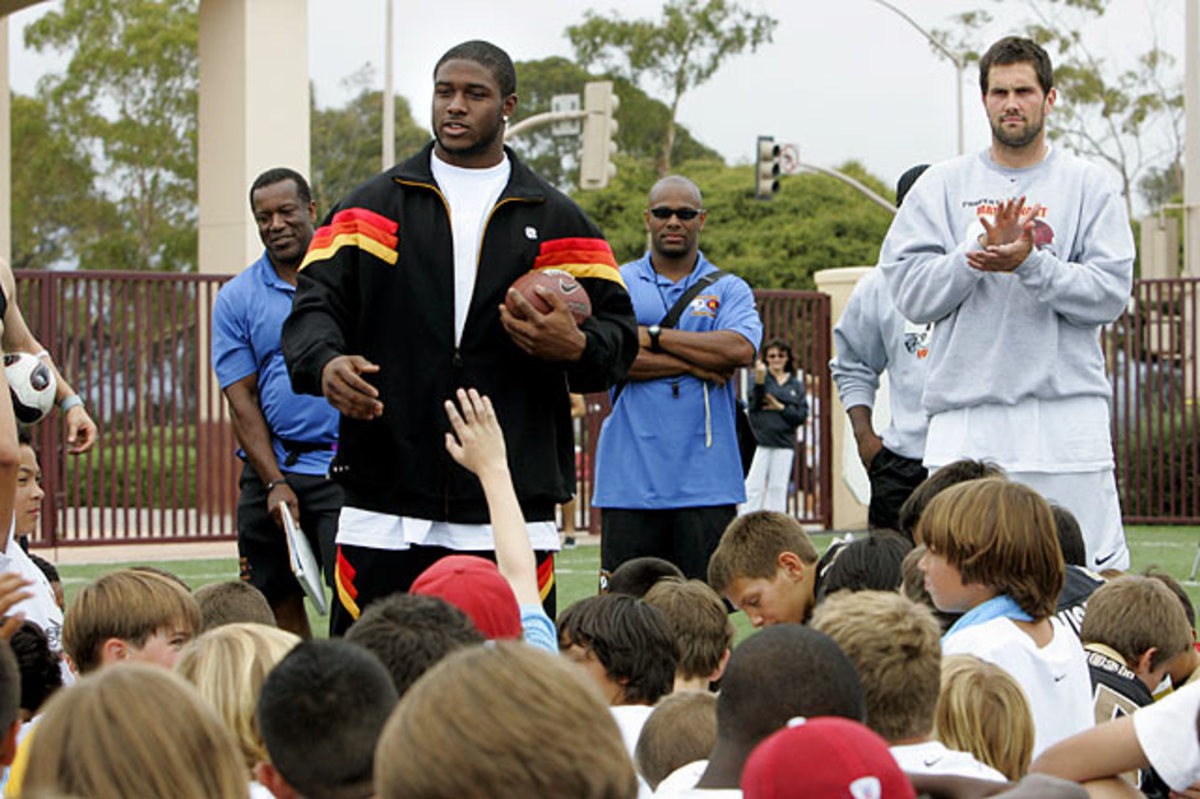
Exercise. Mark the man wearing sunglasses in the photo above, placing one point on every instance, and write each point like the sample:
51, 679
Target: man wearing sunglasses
668, 472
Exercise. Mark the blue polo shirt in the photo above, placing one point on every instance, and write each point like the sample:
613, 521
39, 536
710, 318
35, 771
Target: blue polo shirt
247, 320
663, 446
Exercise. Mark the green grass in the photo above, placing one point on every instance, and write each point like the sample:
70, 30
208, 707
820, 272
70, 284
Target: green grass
1171, 549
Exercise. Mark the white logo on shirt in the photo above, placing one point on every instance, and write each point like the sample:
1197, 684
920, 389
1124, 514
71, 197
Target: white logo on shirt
531, 233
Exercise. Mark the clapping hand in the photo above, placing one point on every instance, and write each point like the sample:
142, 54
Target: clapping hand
1008, 240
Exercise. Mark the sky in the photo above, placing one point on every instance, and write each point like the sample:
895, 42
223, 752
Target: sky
844, 80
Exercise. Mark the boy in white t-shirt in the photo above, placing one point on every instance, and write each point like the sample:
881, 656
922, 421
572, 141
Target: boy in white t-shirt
993, 556
42, 606
894, 643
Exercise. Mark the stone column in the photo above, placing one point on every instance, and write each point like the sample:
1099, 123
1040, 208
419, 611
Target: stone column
848, 511
254, 115
5, 148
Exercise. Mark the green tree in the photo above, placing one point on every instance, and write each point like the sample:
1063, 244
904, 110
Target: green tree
1162, 185
679, 52
129, 95
1127, 115
641, 119
57, 216
347, 142
815, 222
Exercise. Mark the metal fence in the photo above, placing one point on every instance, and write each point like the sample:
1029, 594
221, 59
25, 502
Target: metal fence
800, 318
136, 346
1152, 357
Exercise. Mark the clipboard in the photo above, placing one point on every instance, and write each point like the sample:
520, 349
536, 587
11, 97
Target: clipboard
304, 565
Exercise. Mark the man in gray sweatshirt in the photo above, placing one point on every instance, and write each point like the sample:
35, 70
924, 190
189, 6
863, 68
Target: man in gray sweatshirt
1019, 254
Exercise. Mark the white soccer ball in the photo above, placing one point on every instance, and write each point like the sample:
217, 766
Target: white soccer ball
32, 385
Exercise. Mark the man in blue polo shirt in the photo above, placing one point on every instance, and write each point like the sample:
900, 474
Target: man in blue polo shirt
287, 440
668, 472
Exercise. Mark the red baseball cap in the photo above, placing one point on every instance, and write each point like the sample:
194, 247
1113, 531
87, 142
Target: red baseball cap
475, 586
824, 758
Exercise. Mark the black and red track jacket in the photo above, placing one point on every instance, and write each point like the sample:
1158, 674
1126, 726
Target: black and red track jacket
378, 281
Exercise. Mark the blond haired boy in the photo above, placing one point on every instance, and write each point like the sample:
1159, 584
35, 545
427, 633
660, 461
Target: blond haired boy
895, 646
129, 616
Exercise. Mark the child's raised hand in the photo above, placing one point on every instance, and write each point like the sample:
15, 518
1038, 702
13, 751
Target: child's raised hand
477, 442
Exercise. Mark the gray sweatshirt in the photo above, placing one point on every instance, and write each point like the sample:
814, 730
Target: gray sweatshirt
870, 337
1005, 337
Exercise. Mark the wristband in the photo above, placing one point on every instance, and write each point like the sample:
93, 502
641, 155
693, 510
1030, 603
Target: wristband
271, 486
69, 402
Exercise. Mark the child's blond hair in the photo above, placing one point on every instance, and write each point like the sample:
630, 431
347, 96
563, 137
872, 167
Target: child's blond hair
982, 710
133, 731
895, 644
503, 721
228, 665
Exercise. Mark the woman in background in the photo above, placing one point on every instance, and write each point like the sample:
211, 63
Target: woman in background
777, 408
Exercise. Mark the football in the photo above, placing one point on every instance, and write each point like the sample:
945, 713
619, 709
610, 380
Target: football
561, 283
32, 385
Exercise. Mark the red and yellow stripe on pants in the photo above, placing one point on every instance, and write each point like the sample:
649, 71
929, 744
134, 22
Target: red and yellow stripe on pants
545, 576
343, 580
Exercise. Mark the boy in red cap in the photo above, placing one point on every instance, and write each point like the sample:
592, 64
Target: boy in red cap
475, 586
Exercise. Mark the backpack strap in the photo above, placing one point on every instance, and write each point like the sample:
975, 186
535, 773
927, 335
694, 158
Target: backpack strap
672, 317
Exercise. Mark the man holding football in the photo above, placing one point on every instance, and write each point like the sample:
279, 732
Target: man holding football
401, 301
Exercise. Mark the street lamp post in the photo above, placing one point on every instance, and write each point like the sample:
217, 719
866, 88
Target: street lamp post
955, 59
389, 109
1191, 150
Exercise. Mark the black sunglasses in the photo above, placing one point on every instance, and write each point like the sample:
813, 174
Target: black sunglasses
684, 214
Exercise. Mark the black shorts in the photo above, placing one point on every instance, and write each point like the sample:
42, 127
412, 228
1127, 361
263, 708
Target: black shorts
893, 479
364, 575
262, 549
685, 536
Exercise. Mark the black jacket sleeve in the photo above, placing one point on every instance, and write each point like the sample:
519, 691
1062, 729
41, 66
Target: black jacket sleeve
326, 301
612, 338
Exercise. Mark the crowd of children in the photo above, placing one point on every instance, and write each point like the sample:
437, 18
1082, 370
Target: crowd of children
937, 660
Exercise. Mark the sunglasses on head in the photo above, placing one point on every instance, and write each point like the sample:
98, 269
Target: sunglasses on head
684, 214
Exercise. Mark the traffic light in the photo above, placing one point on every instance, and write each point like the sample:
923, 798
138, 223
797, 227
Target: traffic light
599, 135
766, 174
